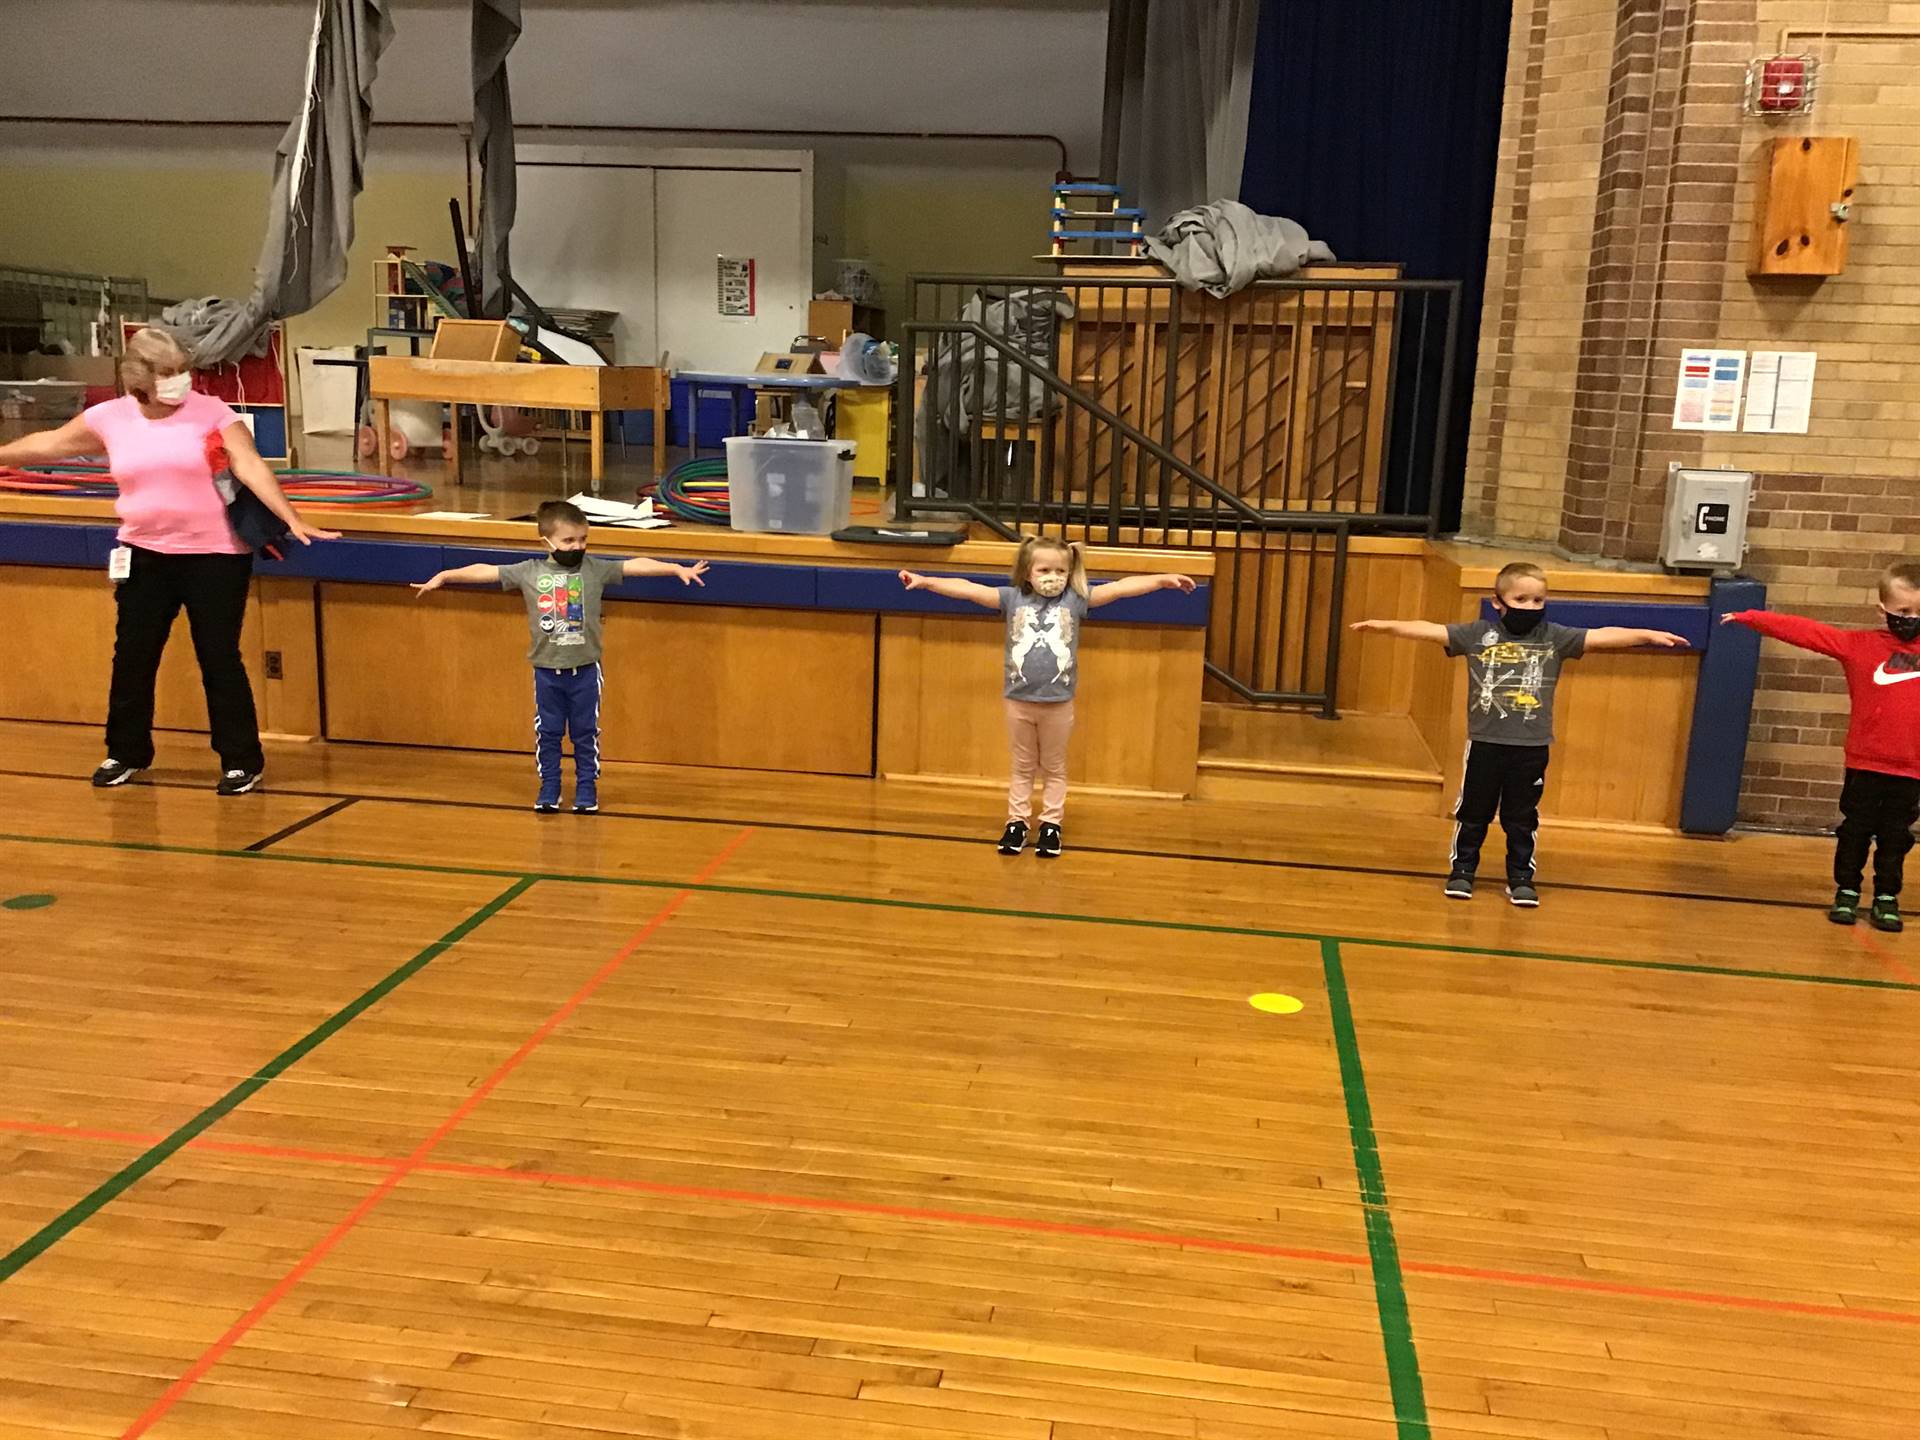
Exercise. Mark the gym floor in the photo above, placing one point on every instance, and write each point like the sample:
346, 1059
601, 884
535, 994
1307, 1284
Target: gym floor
374, 1103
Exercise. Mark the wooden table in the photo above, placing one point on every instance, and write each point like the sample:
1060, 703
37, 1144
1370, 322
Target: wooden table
596, 389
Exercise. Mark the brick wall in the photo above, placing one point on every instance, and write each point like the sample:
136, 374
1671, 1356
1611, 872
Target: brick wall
1572, 426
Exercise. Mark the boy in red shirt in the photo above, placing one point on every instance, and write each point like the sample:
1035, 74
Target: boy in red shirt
1881, 797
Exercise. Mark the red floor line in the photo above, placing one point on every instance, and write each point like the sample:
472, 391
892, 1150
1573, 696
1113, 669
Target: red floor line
266, 1304
1658, 1292
1892, 961
1167, 1239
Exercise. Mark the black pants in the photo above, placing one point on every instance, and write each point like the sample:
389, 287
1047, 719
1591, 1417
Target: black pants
1876, 810
1505, 780
213, 588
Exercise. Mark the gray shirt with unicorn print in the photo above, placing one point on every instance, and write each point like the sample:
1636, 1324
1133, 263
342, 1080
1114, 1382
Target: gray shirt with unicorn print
1043, 643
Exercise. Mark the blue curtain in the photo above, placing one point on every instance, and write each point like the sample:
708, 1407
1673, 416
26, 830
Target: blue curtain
1376, 124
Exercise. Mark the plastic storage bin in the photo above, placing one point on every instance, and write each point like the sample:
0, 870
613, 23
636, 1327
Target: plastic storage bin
793, 487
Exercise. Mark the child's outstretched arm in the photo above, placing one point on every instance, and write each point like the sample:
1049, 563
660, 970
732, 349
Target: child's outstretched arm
1620, 637
685, 574
1405, 629
465, 575
952, 588
1109, 591
1793, 629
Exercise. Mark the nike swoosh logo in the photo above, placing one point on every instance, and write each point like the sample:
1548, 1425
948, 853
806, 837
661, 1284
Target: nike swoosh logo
1881, 677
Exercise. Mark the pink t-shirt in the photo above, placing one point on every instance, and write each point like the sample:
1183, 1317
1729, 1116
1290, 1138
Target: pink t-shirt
167, 497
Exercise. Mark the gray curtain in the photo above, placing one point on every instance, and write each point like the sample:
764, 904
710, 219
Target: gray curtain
1185, 84
318, 170
496, 26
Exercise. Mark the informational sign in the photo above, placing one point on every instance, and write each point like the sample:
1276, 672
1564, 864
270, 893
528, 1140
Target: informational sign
1780, 392
736, 286
1707, 396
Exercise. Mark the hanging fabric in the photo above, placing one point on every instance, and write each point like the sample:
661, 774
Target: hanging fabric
496, 26
319, 168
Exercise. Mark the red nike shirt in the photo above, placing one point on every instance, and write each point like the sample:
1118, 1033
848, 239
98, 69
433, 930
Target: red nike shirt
1883, 677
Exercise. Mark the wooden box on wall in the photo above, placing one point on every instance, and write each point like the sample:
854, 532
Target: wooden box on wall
1795, 229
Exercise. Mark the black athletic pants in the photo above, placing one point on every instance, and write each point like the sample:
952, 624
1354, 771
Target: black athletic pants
213, 590
1877, 810
1503, 780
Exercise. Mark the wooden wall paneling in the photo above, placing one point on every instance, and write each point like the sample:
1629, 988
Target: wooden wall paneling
289, 627
1138, 718
76, 610
684, 685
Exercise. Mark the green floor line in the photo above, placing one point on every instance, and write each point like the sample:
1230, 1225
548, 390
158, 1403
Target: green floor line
1192, 927
1389, 1288
77, 1214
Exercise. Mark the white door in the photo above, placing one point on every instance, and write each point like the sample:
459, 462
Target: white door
704, 214
583, 240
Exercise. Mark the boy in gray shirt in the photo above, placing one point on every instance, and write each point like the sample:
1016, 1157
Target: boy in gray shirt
1513, 665
562, 589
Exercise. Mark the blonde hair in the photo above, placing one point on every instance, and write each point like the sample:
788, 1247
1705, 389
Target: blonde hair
1901, 572
1516, 570
148, 349
1033, 545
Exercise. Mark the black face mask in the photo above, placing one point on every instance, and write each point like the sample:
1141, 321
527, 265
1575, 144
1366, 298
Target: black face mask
569, 559
1904, 628
1521, 622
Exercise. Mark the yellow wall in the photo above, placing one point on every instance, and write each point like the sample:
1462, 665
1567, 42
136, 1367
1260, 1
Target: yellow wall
196, 230
953, 219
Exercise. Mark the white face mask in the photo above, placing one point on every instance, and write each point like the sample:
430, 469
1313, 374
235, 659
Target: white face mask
173, 389
1050, 585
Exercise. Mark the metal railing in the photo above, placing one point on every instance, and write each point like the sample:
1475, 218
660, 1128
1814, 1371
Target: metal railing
1268, 427
48, 307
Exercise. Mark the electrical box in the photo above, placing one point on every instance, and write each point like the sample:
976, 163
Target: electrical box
1706, 519
1802, 202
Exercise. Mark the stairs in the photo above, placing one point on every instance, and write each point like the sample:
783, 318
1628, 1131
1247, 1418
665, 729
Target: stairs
1368, 762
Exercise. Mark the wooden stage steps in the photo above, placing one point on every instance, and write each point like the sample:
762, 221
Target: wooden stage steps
1376, 762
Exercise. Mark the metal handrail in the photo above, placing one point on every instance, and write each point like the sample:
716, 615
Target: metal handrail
1051, 379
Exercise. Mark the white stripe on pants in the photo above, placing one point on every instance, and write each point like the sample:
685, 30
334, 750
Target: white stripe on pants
1038, 732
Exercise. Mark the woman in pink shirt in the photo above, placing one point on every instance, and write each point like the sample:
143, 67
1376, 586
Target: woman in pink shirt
177, 549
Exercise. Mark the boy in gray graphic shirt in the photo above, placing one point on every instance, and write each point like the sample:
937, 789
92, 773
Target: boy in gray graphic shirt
1513, 666
562, 589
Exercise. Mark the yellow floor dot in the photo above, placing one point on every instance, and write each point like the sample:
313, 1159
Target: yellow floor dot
1276, 1004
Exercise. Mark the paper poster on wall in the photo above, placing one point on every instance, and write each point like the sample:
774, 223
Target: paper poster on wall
1780, 392
736, 286
1707, 396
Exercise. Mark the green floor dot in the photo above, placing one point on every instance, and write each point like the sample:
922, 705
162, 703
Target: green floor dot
27, 902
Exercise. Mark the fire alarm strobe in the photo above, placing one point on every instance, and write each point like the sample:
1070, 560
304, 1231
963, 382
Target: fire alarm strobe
1781, 84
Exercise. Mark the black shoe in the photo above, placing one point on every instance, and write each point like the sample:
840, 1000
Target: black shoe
1459, 886
1522, 893
1885, 914
112, 772
1846, 907
237, 782
1013, 839
1048, 845
546, 807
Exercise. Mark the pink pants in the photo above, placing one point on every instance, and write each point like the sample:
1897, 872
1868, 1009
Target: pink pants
1038, 733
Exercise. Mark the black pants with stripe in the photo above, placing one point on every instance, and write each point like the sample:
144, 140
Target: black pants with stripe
1877, 810
1503, 780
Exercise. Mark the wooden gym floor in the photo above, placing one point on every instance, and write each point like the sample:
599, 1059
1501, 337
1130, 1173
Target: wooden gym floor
374, 1104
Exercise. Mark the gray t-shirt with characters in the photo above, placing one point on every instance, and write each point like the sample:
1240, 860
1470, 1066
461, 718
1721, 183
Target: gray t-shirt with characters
563, 608
1511, 678
1043, 643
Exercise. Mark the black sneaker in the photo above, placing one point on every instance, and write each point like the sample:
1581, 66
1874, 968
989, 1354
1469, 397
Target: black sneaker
544, 806
237, 782
1459, 886
1885, 914
1522, 893
1048, 845
112, 772
1013, 839
1846, 907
